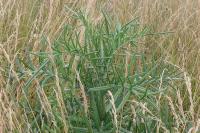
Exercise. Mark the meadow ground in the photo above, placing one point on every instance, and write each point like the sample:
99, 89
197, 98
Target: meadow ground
100, 66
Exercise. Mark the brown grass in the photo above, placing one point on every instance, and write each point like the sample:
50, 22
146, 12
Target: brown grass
23, 22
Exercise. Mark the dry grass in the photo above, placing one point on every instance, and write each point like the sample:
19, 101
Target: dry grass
24, 22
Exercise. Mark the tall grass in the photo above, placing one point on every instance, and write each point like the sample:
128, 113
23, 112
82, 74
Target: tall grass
99, 70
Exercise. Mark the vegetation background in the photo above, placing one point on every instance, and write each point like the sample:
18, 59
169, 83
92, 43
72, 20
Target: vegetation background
46, 86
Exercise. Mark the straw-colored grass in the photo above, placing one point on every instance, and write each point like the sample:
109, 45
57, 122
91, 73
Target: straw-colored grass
38, 84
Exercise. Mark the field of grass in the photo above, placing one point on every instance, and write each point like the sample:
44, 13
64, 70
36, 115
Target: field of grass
100, 66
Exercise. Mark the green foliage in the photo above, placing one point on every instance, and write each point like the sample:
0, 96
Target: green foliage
107, 59
101, 62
